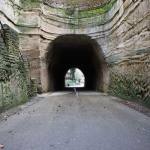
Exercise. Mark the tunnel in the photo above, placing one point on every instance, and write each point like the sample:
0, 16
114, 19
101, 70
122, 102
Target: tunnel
75, 51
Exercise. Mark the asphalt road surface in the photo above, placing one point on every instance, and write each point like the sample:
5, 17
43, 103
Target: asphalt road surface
63, 121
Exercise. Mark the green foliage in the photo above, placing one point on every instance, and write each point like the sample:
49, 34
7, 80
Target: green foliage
71, 12
131, 87
15, 83
79, 18
97, 11
30, 3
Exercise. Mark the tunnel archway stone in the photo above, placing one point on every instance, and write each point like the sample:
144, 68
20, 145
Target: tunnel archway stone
78, 51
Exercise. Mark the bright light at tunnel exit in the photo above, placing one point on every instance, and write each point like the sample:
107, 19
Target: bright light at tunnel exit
74, 78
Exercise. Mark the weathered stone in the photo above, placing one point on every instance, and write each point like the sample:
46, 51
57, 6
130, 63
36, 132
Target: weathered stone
14, 71
122, 29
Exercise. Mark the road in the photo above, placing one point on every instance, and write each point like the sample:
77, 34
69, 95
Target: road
63, 121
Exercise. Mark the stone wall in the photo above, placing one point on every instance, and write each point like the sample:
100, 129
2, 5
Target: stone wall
15, 84
121, 27
129, 55
131, 80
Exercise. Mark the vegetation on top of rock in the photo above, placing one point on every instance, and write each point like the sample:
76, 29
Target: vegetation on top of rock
30, 3
83, 4
76, 12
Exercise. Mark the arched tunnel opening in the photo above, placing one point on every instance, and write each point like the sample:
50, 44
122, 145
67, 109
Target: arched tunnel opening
74, 78
75, 51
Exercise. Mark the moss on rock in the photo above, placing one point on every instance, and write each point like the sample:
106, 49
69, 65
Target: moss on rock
15, 83
133, 84
27, 4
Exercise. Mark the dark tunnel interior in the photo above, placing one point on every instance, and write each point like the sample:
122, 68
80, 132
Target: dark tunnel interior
75, 51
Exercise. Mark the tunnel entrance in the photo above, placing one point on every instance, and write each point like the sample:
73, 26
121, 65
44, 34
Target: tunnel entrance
75, 51
74, 78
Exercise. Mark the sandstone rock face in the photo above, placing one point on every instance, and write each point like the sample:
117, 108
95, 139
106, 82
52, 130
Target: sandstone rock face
15, 83
76, 3
121, 27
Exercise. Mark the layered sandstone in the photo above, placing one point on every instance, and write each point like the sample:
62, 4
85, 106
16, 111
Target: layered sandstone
121, 27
